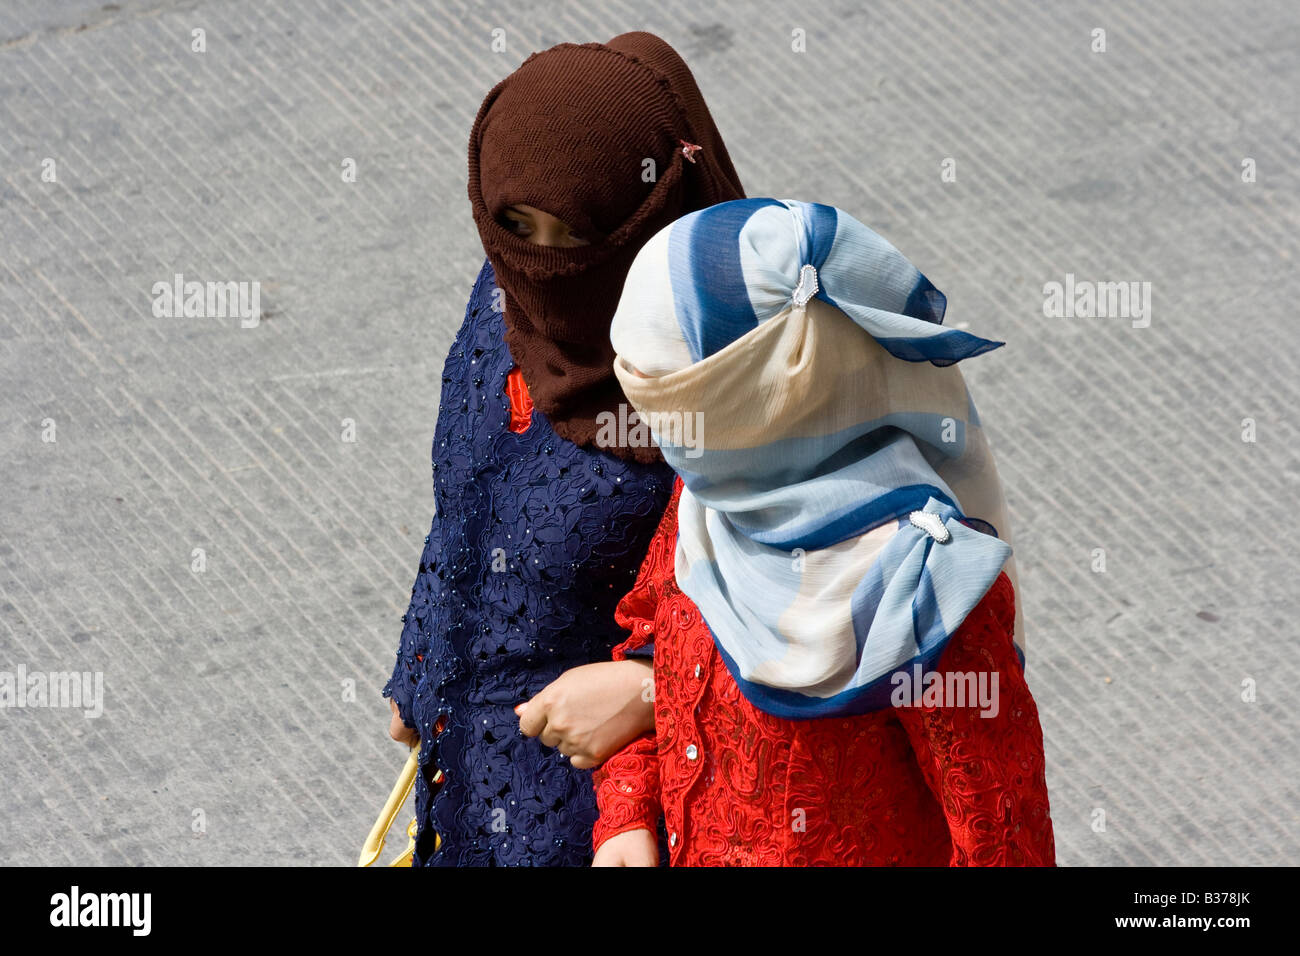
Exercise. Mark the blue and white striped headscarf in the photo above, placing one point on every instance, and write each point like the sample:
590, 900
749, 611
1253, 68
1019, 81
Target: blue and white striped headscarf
794, 372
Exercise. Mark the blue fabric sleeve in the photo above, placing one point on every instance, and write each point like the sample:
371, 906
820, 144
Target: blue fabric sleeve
414, 643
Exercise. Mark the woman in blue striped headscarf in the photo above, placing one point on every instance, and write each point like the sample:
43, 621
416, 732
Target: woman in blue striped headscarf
838, 532
816, 432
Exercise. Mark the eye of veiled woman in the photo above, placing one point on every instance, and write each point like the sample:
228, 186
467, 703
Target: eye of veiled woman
516, 225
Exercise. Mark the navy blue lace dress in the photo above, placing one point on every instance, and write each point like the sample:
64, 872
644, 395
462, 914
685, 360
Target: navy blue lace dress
534, 541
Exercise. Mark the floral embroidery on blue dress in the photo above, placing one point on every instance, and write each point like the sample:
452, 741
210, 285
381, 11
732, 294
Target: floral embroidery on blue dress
534, 541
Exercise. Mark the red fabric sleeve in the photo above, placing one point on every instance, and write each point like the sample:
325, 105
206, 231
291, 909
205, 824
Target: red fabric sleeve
636, 611
627, 784
627, 791
987, 771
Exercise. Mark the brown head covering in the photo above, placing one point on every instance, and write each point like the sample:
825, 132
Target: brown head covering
569, 133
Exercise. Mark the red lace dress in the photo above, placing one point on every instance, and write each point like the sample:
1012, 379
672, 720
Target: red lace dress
924, 786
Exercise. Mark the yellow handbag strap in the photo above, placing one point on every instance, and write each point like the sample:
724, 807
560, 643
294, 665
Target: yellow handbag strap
379, 832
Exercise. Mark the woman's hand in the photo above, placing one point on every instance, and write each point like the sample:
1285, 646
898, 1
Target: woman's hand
631, 848
590, 712
398, 730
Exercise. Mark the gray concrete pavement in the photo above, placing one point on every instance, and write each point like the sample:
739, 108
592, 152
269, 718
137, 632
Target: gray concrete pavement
242, 720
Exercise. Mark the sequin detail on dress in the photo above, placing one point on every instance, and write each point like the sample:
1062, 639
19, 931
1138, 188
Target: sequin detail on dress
533, 543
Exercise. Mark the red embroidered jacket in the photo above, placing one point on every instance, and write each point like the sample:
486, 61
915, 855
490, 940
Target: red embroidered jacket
924, 786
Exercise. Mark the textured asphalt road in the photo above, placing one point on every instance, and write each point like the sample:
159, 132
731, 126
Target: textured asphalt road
242, 720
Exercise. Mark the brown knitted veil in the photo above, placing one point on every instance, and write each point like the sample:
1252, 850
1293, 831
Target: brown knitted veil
569, 133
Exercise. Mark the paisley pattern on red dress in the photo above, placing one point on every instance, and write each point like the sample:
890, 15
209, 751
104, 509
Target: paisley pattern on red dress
907, 786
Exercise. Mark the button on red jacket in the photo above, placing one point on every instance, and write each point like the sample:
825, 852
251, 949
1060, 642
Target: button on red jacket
923, 786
